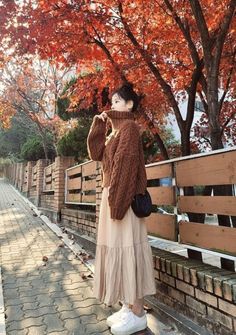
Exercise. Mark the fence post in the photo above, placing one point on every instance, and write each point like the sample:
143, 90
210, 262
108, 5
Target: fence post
61, 164
16, 174
29, 178
22, 175
13, 174
41, 164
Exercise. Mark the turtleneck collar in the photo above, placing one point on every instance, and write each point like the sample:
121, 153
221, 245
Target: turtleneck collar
113, 114
118, 118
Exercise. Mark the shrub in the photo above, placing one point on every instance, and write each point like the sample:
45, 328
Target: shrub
32, 149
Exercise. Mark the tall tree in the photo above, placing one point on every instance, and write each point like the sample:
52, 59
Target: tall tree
33, 88
159, 47
216, 39
12, 138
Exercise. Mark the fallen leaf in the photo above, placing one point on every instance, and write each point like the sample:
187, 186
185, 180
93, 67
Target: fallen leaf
45, 258
82, 253
85, 257
83, 276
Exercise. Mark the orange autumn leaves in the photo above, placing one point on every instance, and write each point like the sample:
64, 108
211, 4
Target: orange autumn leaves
6, 113
92, 35
31, 88
153, 52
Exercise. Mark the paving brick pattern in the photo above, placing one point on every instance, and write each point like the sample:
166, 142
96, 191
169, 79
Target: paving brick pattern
43, 297
46, 297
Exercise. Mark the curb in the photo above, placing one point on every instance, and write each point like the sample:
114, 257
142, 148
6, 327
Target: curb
2, 309
178, 321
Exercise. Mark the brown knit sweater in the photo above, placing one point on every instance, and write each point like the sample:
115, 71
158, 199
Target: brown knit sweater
122, 158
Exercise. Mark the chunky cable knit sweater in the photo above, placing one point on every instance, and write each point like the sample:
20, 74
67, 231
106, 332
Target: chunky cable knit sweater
122, 158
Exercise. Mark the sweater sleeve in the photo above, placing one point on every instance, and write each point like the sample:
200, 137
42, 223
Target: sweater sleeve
96, 139
124, 171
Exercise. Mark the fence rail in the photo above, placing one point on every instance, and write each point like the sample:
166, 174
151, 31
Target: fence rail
25, 178
80, 186
214, 174
184, 191
34, 176
49, 178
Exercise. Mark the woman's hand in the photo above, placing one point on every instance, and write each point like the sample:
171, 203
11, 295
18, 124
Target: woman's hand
102, 116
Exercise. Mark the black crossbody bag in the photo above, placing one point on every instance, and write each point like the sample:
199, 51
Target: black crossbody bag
142, 204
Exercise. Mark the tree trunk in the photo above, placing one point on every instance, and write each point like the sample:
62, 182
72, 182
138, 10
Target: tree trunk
162, 147
224, 220
45, 149
216, 143
185, 142
213, 111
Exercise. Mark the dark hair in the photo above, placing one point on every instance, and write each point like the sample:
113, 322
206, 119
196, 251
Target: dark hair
127, 93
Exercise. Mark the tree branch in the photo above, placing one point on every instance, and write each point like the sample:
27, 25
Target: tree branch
186, 32
227, 122
100, 43
202, 28
184, 27
228, 81
205, 105
192, 93
154, 69
224, 27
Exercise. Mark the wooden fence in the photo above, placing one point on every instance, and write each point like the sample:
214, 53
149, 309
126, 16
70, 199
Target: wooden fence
162, 192
49, 178
168, 183
176, 186
187, 179
215, 171
80, 186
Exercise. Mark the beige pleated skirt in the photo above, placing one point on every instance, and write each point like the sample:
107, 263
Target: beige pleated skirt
123, 262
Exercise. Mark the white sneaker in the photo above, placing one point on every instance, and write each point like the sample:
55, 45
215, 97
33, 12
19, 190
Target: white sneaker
129, 324
116, 317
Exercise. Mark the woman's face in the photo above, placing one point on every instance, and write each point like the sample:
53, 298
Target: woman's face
119, 104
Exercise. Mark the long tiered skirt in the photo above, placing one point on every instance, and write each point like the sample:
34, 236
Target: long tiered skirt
123, 262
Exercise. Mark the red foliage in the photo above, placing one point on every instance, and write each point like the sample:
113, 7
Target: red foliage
109, 40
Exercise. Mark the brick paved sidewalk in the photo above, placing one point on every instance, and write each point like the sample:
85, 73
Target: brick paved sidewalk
48, 297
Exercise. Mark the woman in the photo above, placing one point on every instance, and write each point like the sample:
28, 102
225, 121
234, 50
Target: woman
123, 264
